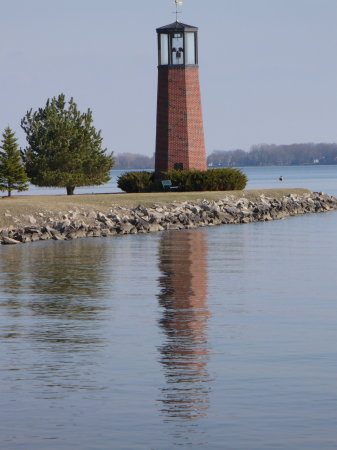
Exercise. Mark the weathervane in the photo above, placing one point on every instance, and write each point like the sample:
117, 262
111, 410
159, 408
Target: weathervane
177, 3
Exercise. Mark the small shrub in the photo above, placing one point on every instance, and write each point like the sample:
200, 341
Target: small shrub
209, 180
187, 180
136, 182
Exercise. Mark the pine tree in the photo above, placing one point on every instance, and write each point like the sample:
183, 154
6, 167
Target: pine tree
13, 176
64, 148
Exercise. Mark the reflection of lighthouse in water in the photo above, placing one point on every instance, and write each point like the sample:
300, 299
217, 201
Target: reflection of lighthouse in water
184, 355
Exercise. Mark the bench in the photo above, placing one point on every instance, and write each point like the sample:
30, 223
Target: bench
167, 185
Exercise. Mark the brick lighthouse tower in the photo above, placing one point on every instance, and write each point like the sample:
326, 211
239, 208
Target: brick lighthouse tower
180, 142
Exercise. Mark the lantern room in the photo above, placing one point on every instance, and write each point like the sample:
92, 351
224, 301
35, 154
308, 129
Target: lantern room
177, 45
180, 142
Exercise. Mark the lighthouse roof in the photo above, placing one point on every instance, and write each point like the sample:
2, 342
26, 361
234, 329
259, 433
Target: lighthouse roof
177, 26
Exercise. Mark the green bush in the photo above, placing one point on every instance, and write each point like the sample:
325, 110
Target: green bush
136, 182
208, 180
186, 180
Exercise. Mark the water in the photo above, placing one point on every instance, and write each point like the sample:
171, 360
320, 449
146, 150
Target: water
107, 188
258, 178
221, 338
315, 178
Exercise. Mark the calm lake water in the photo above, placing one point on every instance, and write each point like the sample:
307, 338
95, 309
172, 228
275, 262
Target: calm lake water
258, 178
217, 338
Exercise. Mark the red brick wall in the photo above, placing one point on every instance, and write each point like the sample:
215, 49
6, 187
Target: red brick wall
180, 135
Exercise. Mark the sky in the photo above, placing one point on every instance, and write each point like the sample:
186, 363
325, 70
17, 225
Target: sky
268, 68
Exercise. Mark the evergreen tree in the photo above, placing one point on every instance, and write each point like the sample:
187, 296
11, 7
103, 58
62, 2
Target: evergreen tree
13, 176
64, 148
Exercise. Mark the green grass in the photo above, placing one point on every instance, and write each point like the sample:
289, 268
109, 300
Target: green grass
51, 204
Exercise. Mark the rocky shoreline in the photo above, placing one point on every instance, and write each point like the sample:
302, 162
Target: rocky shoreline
80, 223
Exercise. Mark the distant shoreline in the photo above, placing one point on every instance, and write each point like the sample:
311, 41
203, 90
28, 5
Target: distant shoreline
261, 155
130, 169
269, 165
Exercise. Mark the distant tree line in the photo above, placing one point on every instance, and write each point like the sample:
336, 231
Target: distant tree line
259, 155
133, 161
270, 155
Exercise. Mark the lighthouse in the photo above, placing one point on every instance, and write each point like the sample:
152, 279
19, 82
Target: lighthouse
180, 142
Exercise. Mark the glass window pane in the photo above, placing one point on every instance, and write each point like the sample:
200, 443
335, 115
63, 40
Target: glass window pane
177, 48
164, 52
190, 46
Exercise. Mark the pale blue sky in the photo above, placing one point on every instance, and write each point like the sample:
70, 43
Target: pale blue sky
268, 68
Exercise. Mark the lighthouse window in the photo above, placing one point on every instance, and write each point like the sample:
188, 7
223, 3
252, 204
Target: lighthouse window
177, 46
190, 46
164, 52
